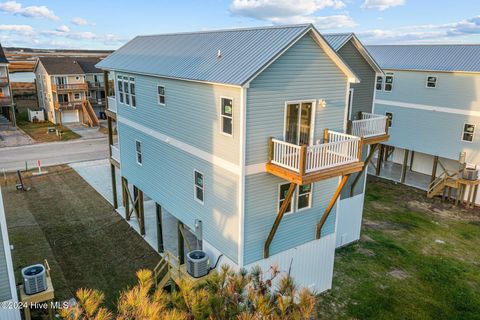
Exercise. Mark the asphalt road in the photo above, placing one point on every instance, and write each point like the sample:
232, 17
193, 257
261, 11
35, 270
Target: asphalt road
53, 153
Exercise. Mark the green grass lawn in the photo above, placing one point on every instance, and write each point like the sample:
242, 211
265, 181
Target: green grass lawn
87, 244
38, 131
417, 259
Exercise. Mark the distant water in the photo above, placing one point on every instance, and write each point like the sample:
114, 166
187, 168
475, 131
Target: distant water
22, 77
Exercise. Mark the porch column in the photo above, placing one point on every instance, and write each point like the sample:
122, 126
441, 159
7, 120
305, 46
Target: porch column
114, 186
159, 228
404, 166
434, 169
181, 243
380, 159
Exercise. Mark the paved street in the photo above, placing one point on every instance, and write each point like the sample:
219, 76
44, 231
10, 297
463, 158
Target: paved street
53, 153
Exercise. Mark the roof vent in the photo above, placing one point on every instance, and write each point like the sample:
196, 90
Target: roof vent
219, 54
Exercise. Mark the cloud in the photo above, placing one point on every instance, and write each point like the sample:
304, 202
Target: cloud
63, 28
425, 33
382, 4
17, 28
81, 21
286, 12
29, 12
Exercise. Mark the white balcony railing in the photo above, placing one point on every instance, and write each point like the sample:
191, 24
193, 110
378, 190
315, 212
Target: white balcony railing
112, 104
340, 150
115, 152
370, 125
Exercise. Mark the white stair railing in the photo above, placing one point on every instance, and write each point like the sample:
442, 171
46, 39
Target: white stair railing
370, 125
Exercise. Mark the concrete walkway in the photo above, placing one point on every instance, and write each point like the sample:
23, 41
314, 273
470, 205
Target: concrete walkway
11, 136
85, 132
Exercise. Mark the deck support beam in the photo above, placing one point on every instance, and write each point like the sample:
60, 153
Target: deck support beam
332, 202
181, 242
278, 219
404, 166
359, 175
126, 198
158, 211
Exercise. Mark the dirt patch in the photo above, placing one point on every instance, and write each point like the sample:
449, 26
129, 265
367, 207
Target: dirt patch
366, 252
398, 274
445, 210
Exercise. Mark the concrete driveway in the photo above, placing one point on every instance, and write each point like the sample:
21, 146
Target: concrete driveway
84, 131
11, 136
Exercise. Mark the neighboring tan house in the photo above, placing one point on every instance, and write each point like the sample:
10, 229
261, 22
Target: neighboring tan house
8, 287
240, 136
360, 119
64, 92
431, 93
6, 102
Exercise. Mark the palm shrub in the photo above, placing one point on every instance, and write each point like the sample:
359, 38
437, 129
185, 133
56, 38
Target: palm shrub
225, 294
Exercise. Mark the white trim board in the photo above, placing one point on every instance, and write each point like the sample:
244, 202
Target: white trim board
215, 160
427, 107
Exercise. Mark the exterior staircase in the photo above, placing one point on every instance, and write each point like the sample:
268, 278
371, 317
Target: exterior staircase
87, 109
168, 271
446, 179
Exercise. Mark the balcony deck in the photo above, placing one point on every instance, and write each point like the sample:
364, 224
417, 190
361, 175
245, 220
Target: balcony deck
340, 155
68, 105
70, 87
373, 128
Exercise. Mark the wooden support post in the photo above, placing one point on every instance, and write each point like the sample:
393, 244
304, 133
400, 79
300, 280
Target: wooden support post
360, 174
411, 160
158, 210
349, 127
135, 198
106, 85
434, 169
270, 149
404, 166
125, 197
360, 148
326, 136
379, 159
181, 243
141, 212
114, 186
303, 159
475, 192
110, 134
278, 219
329, 208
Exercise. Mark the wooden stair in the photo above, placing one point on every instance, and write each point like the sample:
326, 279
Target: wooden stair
92, 119
446, 179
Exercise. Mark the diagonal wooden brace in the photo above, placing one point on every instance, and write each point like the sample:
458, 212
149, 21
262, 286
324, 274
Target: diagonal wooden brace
330, 205
278, 219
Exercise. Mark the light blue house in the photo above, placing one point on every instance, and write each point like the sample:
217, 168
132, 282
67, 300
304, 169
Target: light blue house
239, 135
432, 95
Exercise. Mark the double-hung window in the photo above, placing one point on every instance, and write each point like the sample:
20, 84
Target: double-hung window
388, 82
390, 118
138, 151
126, 90
161, 95
379, 84
468, 132
199, 186
283, 194
227, 116
431, 82
301, 199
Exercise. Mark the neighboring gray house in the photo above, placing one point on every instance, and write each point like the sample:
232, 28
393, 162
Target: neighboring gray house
8, 288
432, 95
360, 116
241, 132
6, 102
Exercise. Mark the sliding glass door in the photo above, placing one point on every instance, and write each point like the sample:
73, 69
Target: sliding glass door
298, 123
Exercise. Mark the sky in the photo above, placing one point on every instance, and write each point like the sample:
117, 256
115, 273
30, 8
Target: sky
106, 24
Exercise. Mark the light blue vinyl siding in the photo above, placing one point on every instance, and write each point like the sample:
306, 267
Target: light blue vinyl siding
5, 292
166, 175
454, 90
304, 72
435, 133
191, 113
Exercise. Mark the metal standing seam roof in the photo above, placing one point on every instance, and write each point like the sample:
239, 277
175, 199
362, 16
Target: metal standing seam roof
3, 59
337, 40
443, 58
193, 56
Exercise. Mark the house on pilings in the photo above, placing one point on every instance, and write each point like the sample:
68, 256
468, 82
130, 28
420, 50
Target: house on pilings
242, 137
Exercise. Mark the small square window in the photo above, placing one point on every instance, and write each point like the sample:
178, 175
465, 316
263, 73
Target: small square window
227, 116
431, 82
77, 96
468, 132
379, 84
389, 82
198, 185
161, 95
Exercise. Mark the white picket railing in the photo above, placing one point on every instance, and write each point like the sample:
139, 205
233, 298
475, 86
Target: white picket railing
341, 149
112, 104
370, 125
115, 153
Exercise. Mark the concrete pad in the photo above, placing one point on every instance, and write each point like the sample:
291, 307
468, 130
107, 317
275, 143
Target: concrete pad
84, 131
393, 171
12, 136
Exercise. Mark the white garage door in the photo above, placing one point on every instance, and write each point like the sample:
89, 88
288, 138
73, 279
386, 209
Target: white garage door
70, 116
